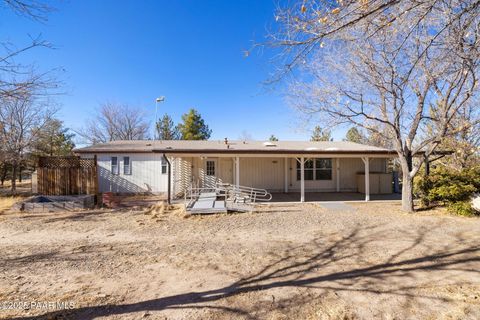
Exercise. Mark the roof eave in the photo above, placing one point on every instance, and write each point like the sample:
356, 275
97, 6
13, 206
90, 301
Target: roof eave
278, 151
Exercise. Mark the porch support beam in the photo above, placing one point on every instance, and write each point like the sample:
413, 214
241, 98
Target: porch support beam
302, 179
237, 171
337, 165
366, 161
286, 175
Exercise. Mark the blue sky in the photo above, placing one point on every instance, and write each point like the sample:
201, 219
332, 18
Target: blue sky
189, 51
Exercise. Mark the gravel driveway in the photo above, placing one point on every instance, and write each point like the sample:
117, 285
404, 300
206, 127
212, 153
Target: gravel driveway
282, 262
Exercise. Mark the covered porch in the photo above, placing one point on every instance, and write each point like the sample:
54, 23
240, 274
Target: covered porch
290, 177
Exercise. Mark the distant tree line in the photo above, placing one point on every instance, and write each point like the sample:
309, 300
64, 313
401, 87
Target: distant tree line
28, 130
114, 121
28, 127
192, 127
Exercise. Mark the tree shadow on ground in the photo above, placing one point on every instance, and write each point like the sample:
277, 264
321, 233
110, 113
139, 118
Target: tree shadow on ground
339, 264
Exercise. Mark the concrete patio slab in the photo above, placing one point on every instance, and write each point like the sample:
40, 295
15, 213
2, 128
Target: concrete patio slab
333, 197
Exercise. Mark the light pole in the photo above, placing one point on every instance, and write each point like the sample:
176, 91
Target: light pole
159, 99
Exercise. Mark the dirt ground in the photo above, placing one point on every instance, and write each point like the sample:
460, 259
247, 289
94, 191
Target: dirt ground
355, 261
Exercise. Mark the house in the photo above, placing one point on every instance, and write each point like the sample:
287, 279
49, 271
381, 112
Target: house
280, 166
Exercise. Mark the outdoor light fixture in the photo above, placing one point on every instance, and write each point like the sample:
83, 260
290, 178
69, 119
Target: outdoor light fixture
159, 99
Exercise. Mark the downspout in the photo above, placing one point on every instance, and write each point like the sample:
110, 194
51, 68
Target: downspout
169, 177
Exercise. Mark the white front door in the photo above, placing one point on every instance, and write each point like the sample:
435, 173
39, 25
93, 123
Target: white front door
210, 176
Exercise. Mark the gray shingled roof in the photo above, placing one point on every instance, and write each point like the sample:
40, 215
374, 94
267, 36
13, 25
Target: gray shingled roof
219, 146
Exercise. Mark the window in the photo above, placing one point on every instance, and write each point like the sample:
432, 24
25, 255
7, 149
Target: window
127, 166
323, 169
316, 169
164, 166
308, 167
114, 165
210, 168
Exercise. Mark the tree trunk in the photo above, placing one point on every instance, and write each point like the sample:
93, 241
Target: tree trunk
14, 177
407, 192
3, 175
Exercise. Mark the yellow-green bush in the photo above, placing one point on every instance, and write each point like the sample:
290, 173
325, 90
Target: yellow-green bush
449, 187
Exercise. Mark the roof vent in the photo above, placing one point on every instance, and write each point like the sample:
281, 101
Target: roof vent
269, 144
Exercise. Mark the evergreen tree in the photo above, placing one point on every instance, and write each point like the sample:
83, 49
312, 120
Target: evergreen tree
166, 129
319, 134
355, 135
53, 140
273, 138
193, 127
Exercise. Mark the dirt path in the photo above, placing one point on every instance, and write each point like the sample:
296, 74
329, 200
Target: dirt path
301, 261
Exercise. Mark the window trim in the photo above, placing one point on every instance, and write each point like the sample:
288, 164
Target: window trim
127, 170
164, 167
314, 169
114, 168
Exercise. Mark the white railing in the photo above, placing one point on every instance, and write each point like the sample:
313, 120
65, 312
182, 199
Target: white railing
243, 194
228, 193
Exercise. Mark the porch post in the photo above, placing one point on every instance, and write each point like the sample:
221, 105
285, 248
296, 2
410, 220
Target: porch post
302, 179
234, 166
237, 171
367, 178
286, 175
337, 165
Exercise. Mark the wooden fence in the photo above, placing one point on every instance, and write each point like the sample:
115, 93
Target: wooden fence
67, 176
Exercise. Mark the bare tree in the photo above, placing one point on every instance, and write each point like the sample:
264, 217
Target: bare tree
394, 68
17, 78
115, 122
32, 9
22, 119
466, 142
245, 136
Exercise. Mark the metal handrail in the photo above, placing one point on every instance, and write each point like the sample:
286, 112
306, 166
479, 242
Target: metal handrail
254, 194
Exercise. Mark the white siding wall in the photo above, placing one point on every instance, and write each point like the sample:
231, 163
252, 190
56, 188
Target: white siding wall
265, 173
349, 167
224, 171
146, 173
268, 173
181, 175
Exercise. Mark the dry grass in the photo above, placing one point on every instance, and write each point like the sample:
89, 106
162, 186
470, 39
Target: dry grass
161, 209
24, 183
396, 208
6, 202
290, 261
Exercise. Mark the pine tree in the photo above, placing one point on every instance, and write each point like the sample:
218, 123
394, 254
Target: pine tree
273, 138
193, 127
53, 140
166, 129
319, 134
355, 135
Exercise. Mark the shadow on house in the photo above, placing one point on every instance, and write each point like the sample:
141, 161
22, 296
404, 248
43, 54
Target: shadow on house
329, 262
117, 184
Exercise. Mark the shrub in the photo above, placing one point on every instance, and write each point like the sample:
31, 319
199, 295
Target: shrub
462, 208
453, 188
